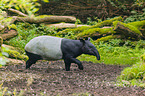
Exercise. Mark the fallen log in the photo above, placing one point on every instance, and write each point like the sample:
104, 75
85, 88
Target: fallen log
96, 32
125, 31
47, 19
11, 33
64, 25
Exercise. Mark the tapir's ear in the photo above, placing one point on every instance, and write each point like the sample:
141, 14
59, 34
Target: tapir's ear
88, 38
82, 40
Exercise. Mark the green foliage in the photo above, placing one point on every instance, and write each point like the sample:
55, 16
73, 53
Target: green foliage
134, 75
135, 17
93, 22
112, 53
26, 32
26, 6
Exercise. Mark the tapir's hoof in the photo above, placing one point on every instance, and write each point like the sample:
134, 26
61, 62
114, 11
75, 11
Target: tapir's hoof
67, 69
81, 67
27, 66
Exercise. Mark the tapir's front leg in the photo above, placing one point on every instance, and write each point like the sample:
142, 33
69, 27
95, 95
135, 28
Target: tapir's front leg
67, 64
74, 60
68, 60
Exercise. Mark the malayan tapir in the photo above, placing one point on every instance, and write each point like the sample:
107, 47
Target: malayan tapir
54, 48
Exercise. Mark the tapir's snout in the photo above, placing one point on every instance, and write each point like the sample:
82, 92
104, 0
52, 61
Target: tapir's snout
96, 53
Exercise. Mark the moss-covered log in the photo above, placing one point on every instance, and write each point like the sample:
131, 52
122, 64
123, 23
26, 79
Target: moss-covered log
47, 19
13, 53
140, 25
128, 31
106, 38
108, 22
96, 32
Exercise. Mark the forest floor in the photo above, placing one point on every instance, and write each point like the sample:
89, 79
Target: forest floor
52, 80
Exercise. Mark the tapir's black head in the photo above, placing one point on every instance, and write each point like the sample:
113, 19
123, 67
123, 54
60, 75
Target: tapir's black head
89, 48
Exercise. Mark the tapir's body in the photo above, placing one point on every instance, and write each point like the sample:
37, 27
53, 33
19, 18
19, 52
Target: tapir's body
47, 47
54, 48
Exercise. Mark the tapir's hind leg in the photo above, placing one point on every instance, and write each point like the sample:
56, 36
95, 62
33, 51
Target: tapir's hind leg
32, 59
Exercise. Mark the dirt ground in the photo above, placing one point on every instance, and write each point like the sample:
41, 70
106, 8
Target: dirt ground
52, 80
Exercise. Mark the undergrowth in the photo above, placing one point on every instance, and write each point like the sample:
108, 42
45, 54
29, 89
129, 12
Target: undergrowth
133, 76
112, 53
115, 51
27, 31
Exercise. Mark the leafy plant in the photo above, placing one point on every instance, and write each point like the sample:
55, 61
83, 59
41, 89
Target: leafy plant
26, 32
93, 22
133, 76
135, 17
29, 7
112, 53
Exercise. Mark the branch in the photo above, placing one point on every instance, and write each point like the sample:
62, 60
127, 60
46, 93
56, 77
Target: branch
18, 12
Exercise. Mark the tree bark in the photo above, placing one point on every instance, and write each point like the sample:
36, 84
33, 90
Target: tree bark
47, 19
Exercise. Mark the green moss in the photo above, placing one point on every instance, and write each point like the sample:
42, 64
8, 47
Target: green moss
42, 16
106, 38
138, 24
75, 30
95, 32
108, 22
14, 54
130, 26
90, 30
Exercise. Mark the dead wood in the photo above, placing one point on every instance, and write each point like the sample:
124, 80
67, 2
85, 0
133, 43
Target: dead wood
18, 12
11, 33
65, 25
47, 19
